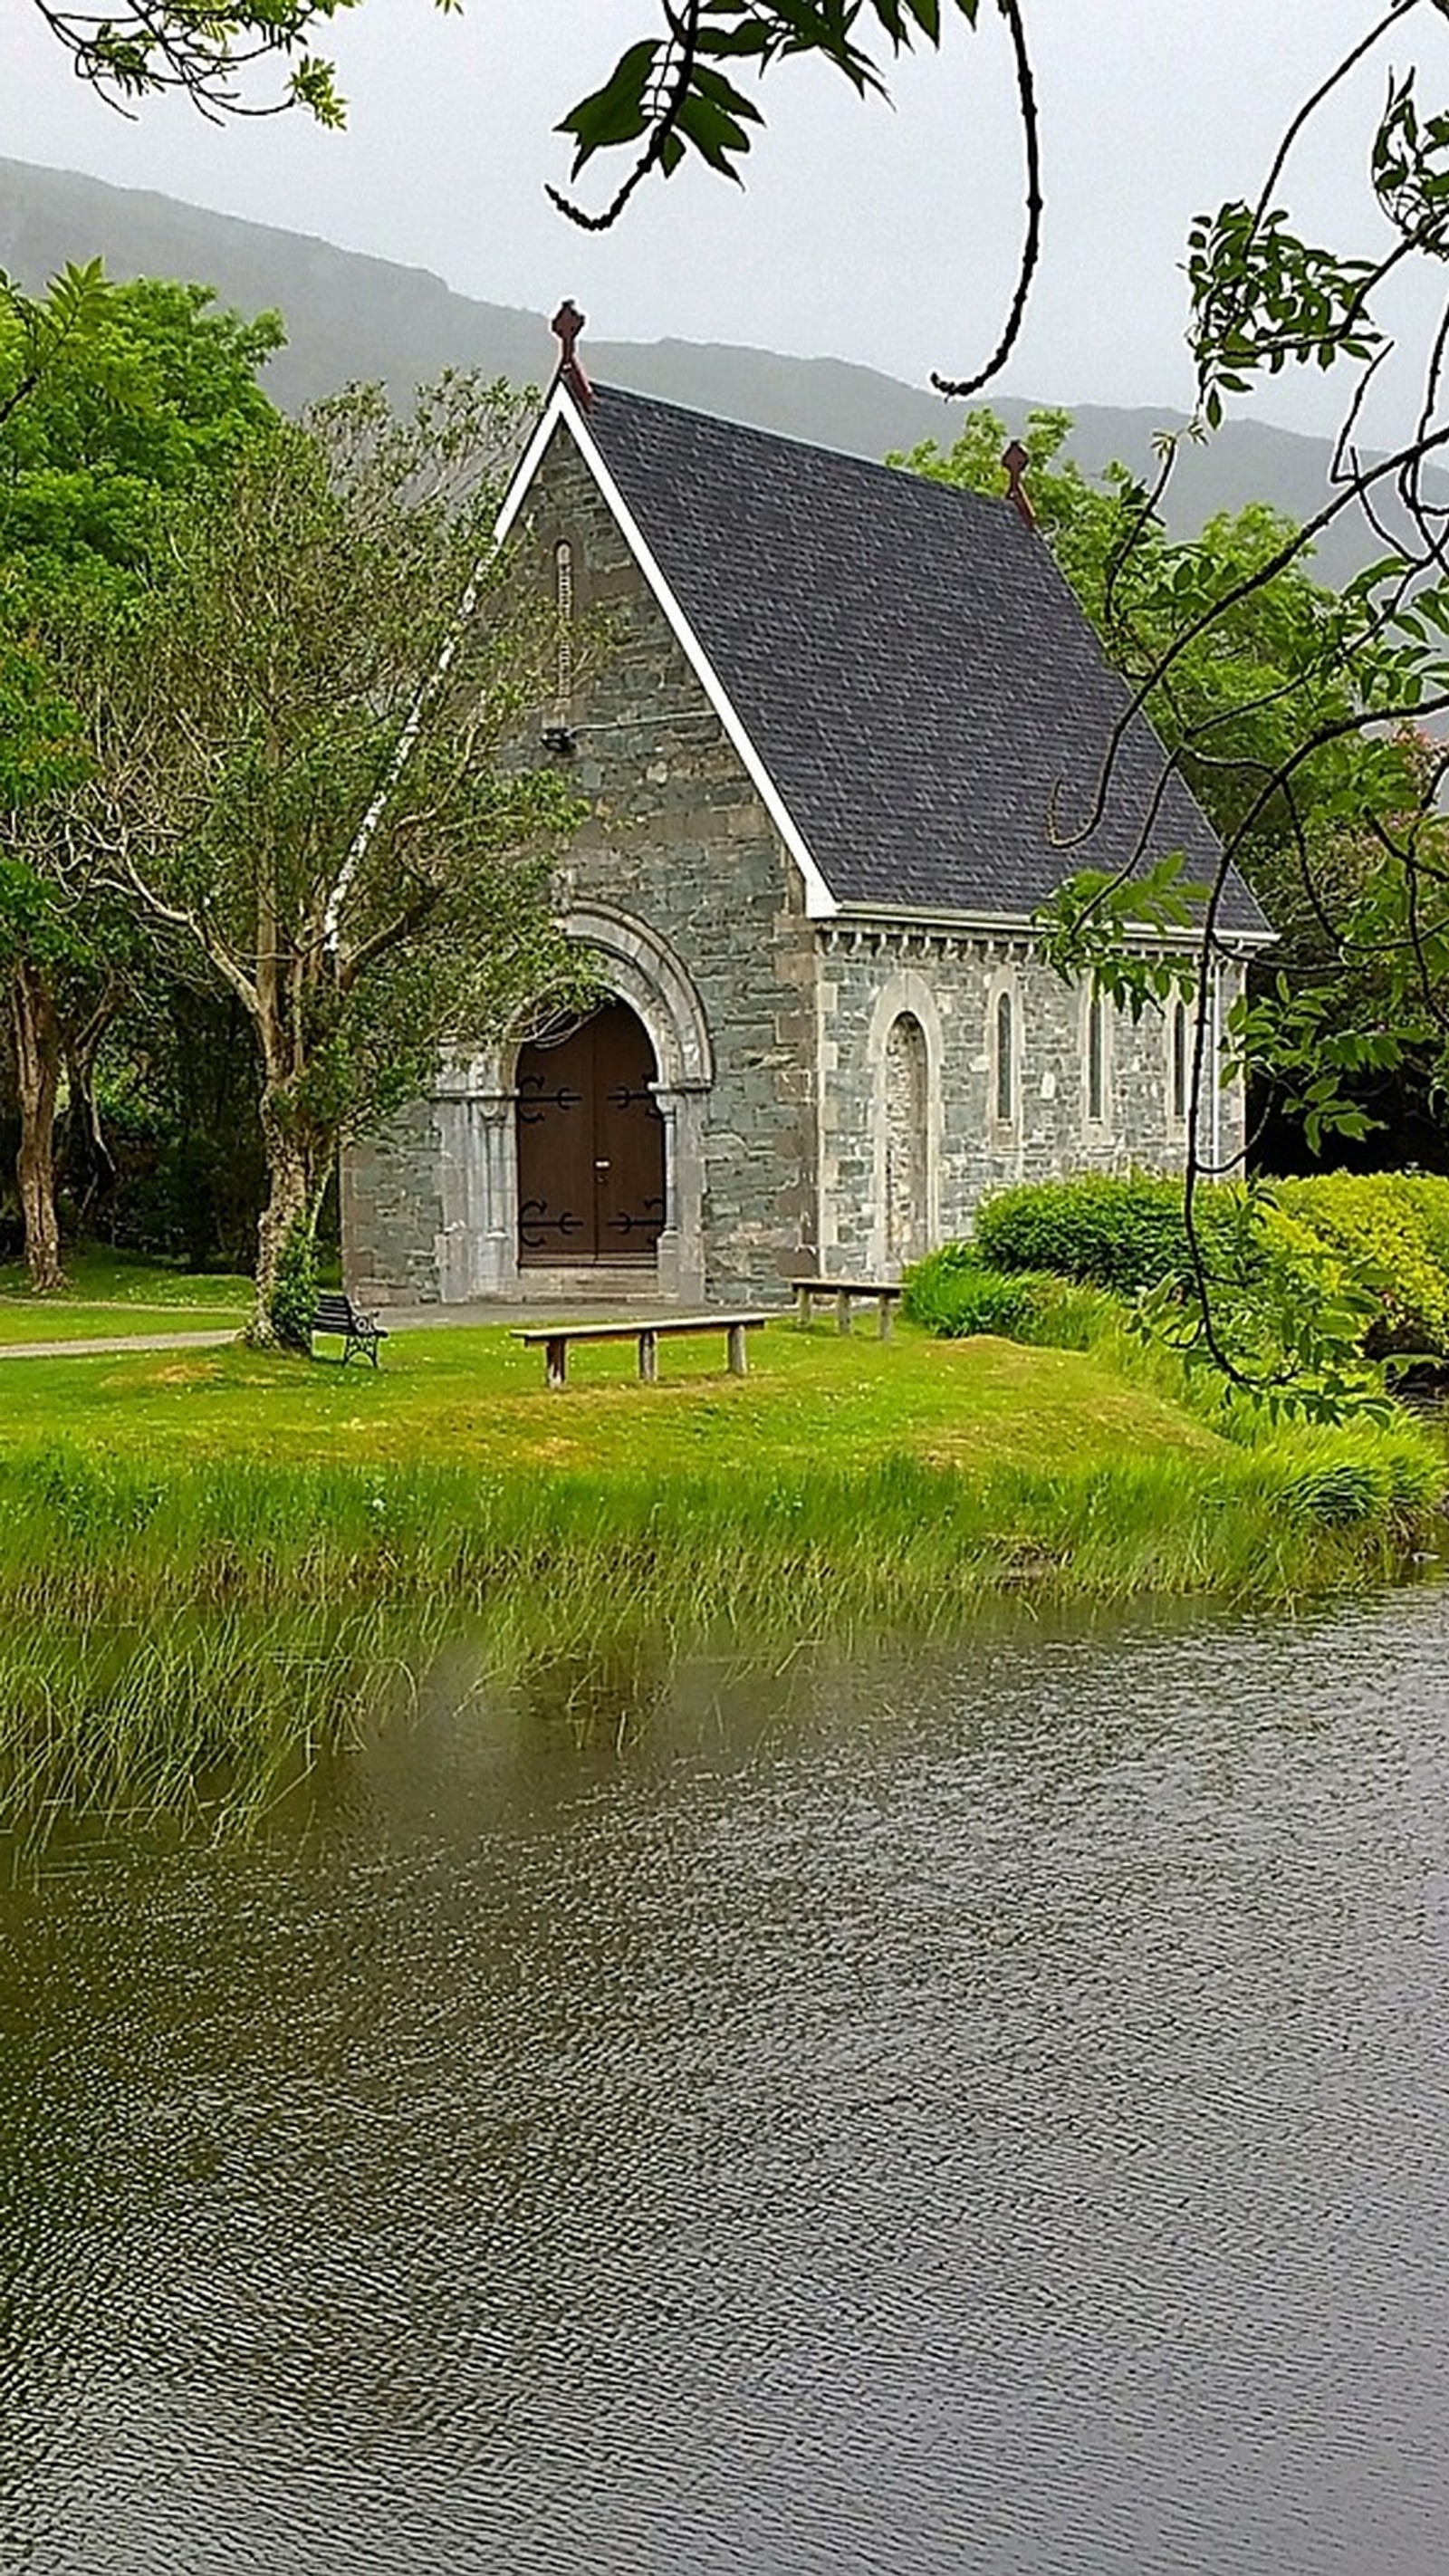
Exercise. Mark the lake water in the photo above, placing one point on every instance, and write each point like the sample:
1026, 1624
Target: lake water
971, 2108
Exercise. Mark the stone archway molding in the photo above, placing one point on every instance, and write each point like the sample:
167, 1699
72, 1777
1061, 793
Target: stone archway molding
477, 1244
645, 973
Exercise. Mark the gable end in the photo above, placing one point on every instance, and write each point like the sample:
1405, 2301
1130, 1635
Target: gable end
562, 412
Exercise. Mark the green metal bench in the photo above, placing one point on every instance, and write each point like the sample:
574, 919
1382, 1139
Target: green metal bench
337, 1314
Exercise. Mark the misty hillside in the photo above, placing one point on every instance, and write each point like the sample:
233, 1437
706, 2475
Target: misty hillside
350, 316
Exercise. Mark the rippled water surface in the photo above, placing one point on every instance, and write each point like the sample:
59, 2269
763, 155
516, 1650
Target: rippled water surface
971, 2109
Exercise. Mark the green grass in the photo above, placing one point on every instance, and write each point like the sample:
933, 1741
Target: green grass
109, 1294
214, 1563
914, 1472
472, 1397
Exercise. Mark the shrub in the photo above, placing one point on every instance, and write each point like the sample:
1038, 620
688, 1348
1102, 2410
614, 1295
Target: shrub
1428, 1195
953, 1293
1121, 1232
1380, 1237
294, 1296
1314, 1283
928, 1287
1392, 1233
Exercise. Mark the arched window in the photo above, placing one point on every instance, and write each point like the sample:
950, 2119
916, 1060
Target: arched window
1004, 1070
1096, 1059
563, 600
906, 1113
1178, 1039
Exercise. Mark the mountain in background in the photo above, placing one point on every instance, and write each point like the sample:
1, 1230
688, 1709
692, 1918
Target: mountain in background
351, 316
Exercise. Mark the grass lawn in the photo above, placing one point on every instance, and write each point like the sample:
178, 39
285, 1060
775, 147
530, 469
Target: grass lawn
213, 1562
471, 1396
860, 1473
111, 1294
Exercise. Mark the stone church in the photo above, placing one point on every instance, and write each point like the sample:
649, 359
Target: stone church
838, 709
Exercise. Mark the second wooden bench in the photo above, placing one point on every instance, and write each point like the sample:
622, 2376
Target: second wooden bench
556, 1339
844, 1291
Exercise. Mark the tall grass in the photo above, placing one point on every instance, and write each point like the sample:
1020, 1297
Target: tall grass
215, 1715
88, 1538
192, 1645
193, 1635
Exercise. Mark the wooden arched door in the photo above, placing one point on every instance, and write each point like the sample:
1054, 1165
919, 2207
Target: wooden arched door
590, 1147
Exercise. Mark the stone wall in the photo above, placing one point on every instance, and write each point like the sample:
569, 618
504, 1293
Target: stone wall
391, 1208
680, 841
949, 985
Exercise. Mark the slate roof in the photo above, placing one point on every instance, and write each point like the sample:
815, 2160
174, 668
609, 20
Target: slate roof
907, 660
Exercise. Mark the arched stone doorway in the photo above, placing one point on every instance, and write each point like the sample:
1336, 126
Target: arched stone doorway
479, 1132
591, 1147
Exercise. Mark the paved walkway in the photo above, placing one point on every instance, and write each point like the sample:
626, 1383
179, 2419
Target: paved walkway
114, 1342
398, 1319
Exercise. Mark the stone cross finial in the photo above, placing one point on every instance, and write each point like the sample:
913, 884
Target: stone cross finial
1014, 464
566, 325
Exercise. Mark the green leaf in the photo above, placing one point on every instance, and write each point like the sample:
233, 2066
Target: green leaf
714, 133
616, 113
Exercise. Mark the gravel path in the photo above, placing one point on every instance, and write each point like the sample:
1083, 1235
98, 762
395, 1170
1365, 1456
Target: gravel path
116, 1342
398, 1319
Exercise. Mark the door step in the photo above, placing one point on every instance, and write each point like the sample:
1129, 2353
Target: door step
613, 1283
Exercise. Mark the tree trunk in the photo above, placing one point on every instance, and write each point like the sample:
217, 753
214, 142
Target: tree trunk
37, 1082
88, 1167
290, 1161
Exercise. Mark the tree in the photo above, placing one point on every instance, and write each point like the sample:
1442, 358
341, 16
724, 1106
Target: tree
667, 93
313, 768
1264, 298
118, 398
1247, 688
110, 397
38, 332
177, 1087
206, 53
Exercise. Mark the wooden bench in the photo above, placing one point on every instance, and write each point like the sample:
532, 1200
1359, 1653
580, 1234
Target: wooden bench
844, 1291
337, 1314
557, 1337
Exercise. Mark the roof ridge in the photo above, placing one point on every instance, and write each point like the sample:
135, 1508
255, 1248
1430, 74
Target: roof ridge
897, 477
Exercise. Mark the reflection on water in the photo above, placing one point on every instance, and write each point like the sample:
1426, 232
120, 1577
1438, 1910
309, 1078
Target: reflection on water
976, 2108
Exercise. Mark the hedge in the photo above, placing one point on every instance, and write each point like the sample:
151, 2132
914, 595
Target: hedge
1386, 1231
1391, 1230
1123, 1233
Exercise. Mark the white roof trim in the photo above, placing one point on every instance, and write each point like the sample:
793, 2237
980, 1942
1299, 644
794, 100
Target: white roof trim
1026, 925
527, 466
820, 903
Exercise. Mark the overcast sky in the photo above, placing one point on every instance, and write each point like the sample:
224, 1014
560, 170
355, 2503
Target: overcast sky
884, 235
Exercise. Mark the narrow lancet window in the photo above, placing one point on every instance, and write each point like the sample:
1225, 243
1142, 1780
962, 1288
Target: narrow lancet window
1005, 1070
907, 1079
1179, 1062
1096, 1060
563, 600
